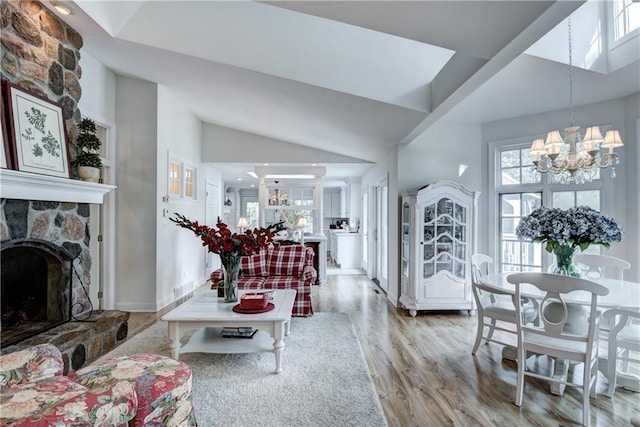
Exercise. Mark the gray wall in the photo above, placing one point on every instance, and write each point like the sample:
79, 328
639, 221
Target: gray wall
136, 178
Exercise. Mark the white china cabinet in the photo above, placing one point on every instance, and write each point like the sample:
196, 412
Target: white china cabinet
438, 237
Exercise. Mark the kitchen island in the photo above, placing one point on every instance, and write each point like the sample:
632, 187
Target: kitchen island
345, 248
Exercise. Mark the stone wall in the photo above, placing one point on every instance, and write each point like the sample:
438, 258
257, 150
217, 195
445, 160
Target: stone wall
41, 53
64, 224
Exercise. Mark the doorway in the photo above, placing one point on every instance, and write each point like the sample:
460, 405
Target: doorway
381, 233
212, 211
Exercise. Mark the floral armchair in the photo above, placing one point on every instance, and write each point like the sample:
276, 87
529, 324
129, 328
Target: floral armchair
138, 390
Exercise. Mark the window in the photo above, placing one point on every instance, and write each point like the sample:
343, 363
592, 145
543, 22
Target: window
252, 214
175, 186
520, 190
517, 255
190, 181
626, 17
569, 199
515, 167
182, 178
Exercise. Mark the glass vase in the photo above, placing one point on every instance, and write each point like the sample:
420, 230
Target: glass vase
231, 264
564, 261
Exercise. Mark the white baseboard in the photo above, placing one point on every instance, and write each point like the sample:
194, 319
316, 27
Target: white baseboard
142, 307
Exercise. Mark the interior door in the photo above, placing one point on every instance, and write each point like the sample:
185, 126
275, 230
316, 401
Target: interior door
382, 233
102, 223
364, 230
212, 211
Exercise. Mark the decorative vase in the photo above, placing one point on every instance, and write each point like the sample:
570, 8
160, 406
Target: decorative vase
89, 173
564, 261
231, 264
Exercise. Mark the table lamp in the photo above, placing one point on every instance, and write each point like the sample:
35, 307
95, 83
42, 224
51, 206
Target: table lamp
301, 224
242, 224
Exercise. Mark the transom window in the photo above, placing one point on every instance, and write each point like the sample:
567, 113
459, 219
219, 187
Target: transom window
515, 167
626, 17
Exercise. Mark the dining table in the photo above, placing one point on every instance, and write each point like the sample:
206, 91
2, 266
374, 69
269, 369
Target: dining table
623, 294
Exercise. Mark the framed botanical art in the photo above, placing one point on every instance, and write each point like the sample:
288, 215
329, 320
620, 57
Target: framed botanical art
37, 132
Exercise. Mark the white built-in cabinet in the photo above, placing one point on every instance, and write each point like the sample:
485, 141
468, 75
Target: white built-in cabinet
438, 237
332, 205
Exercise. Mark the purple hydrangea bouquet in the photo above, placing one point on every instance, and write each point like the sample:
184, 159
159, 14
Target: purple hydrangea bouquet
564, 231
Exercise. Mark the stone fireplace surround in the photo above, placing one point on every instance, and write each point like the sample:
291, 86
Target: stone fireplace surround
54, 212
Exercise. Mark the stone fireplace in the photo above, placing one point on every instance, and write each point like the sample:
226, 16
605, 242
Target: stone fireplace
45, 275
46, 261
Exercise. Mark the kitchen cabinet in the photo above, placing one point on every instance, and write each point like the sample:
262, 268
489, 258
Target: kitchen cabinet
331, 204
345, 249
438, 236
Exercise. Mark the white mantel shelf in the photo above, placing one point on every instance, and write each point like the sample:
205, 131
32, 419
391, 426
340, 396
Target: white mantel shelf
30, 186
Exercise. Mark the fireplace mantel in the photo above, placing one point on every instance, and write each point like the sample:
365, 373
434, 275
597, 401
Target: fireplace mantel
30, 186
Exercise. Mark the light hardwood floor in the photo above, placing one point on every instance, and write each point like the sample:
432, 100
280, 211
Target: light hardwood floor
425, 375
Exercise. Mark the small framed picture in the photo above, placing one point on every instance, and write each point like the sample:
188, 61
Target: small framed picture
37, 132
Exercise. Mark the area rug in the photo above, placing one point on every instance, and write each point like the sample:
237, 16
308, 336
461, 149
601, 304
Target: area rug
325, 381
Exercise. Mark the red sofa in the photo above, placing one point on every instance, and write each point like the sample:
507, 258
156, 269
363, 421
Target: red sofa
278, 267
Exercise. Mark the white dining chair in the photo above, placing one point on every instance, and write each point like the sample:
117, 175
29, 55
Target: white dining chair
551, 338
493, 305
624, 338
596, 266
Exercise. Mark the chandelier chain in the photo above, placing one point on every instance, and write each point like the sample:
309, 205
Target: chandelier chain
575, 158
570, 72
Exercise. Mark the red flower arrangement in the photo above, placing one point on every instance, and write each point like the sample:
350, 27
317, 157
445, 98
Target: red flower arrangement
223, 242
230, 246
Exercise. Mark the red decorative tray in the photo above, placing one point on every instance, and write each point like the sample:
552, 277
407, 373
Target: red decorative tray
254, 300
238, 309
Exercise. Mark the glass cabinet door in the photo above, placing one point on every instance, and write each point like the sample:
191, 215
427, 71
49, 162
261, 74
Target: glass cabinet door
444, 225
406, 238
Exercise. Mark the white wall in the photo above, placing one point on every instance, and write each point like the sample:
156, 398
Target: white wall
620, 202
98, 90
632, 230
180, 256
223, 144
98, 103
136, 178
152, 255
437, 154
389, 168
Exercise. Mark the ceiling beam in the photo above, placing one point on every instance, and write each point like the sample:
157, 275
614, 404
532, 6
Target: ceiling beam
471, 79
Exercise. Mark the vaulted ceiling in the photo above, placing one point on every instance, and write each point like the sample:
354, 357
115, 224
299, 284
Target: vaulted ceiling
353, 78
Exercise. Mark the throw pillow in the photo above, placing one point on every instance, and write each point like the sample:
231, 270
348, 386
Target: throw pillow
286, 260
254, 265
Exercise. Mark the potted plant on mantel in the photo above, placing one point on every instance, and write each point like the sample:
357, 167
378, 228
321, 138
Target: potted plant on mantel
88, 160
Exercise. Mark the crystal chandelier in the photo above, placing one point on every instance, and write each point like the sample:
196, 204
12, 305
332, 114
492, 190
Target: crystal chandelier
576, 158
278, 199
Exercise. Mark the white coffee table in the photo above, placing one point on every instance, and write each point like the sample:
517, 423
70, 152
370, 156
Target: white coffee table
207, 314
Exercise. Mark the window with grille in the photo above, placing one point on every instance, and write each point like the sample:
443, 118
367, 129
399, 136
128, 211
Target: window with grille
626, 17
518, 191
